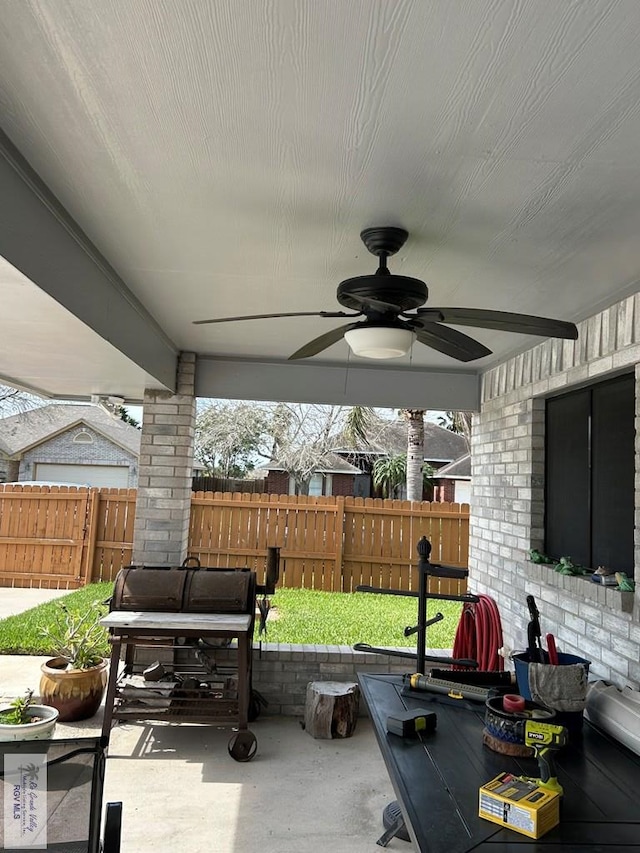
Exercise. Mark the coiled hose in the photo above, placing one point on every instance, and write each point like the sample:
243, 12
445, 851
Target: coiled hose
479, 634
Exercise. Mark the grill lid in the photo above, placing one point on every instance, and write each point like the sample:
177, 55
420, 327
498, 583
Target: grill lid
185, 590
149, 589
220, 591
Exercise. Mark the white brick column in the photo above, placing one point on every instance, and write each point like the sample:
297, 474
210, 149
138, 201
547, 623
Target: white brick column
163, 504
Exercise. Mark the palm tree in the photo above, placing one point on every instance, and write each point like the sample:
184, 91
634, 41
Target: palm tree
359, 424
459, 422
389, 472
415, 452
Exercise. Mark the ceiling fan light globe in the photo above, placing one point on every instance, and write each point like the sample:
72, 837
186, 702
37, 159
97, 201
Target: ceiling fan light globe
379, 341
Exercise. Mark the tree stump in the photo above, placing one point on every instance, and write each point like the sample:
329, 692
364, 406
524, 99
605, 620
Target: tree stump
331, 709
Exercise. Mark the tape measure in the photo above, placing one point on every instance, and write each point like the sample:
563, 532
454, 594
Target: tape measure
409, 723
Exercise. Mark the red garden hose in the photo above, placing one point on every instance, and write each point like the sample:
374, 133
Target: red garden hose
479, 634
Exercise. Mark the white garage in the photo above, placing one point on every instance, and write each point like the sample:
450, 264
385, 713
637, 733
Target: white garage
104, 476
69, 443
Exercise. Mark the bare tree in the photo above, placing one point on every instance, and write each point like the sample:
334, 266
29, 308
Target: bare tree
305, 434
230, 437
13, 401
233, 437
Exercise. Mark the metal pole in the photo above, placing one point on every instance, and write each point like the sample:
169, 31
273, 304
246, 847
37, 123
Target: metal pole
424, 550
272, 575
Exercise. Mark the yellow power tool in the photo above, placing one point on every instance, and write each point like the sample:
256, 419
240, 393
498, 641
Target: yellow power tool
545, 739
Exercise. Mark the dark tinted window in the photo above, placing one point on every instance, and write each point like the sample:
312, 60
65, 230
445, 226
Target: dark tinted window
590, 469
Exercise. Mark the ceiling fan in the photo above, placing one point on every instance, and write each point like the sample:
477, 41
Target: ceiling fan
389, 329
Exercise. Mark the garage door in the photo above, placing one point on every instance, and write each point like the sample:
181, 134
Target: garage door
106, 476
463, 492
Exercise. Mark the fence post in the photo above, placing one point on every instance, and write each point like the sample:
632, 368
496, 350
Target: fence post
90, 537
338, 570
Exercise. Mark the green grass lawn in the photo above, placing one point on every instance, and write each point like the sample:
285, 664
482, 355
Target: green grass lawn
308, 616
298, 616
22, 634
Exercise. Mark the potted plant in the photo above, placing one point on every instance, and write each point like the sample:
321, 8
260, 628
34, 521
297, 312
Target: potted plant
74, 680
23, 720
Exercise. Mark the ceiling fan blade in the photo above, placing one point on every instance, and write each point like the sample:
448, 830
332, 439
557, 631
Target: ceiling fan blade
274, 316
503, 321
323, 342
448, 341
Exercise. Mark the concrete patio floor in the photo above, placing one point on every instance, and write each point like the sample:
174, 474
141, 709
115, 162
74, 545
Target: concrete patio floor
16, 599
182, 791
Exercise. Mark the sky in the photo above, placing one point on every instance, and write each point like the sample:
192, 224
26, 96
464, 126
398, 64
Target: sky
135, 412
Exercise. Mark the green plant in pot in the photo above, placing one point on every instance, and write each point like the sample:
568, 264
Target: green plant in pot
22, 719
74, 680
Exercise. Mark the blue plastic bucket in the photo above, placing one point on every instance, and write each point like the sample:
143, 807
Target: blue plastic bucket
572, 720
522, 661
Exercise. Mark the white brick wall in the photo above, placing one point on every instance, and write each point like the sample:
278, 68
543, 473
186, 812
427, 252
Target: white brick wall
281, 671
507, 502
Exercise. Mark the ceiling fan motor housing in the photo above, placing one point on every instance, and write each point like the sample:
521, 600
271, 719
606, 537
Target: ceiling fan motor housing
397, 291
384, 240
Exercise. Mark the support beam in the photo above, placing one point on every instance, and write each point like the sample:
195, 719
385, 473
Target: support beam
39, 238
388, 387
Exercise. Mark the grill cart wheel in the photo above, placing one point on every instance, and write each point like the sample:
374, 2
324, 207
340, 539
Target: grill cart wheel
243, 746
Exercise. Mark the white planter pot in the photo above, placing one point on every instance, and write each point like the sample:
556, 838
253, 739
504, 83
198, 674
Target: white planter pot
40, 730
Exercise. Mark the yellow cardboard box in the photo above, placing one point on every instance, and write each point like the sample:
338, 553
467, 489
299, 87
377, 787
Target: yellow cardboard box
519, 805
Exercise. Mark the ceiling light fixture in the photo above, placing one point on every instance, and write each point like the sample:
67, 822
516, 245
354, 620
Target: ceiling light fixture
380, 341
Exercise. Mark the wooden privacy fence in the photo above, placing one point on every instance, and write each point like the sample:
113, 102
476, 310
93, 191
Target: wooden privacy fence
43, 538
329, 543
64, 538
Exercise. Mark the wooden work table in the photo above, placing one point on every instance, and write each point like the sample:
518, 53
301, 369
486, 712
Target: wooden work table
436, 778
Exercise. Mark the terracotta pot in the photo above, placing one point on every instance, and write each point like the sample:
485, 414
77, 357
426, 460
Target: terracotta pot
76, 693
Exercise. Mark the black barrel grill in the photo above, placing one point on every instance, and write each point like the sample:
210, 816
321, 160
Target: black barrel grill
184, 590
173, 657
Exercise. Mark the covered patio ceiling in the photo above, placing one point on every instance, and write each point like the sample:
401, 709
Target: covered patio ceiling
168, 161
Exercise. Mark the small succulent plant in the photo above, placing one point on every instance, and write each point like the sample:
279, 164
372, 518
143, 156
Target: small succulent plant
78, 637
19, 714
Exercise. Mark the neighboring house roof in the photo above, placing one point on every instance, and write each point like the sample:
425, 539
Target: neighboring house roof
330, 464
440, 444
459, 469
21, 432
